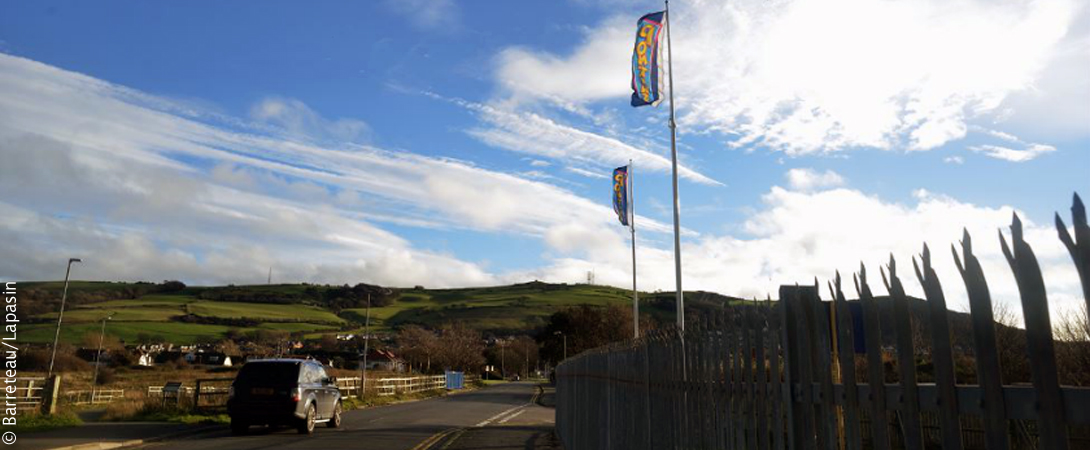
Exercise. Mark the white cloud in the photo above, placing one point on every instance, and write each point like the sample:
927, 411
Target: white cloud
797, 76
117, 168
300, 122
797, 236
810, 179
597, 69
953, 160
530, 133
587, 173
540, 163
1012, 155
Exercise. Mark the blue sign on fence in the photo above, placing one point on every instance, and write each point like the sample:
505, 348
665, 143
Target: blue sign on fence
455, 380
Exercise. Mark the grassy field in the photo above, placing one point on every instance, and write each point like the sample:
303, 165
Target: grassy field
514, 308
262, 311
134, 313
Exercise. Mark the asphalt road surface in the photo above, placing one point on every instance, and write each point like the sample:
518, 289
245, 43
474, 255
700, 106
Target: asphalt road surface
496, 417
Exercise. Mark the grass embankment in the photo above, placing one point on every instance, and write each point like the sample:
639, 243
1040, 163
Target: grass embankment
31, 423
152, 410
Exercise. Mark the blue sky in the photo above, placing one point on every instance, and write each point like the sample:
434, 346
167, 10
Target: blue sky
466, 143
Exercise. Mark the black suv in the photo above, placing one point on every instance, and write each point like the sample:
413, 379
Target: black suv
283, 392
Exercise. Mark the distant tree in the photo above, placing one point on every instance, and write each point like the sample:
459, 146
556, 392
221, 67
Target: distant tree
1072, 332
460, 348
417, 345
90, 340
121, 358
171, 286
228, 347
585, 327
1011, 344
519, 355
37, 360
329, 342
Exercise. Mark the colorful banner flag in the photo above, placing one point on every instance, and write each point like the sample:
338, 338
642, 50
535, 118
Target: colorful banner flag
620, 194
646, 76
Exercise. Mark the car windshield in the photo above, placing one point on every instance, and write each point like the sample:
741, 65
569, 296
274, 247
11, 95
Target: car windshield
273, 373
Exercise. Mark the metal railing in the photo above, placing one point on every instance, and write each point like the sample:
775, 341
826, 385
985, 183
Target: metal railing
93, 396
782, 375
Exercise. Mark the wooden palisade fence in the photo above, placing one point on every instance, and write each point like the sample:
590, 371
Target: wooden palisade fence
782, 375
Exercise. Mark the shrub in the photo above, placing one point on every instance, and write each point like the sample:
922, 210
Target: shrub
105, 376
38, 361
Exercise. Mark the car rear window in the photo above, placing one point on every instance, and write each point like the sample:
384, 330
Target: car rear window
273, 373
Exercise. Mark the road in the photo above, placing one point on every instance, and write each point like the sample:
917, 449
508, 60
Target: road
497, 417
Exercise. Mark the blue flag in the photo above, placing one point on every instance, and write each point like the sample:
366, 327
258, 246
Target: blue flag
620, 194
646, 89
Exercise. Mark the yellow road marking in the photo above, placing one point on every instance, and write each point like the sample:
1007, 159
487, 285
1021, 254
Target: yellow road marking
453, 438
456, 433
427, 443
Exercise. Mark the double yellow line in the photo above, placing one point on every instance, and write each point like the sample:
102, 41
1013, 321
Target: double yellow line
436, 438
456, 432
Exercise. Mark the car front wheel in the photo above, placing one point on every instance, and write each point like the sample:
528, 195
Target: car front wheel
307, 425
335, 421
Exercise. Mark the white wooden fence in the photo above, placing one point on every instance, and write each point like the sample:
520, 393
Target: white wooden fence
28, 393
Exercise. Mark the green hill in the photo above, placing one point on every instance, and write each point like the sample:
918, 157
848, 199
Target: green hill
188, 314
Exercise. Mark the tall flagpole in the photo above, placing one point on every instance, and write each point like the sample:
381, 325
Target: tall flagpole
673, 154
632, 227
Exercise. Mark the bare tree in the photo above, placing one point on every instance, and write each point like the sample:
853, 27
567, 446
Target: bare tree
460, 348
1072, 333
229, 348
418, 346
1011, 343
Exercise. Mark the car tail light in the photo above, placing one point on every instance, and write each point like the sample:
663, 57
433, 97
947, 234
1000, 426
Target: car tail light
296, 394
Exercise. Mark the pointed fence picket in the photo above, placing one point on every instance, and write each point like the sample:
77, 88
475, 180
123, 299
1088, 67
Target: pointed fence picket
783, 375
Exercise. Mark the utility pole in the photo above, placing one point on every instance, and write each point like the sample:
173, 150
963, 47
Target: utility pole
98, 356
60, 317
367, 346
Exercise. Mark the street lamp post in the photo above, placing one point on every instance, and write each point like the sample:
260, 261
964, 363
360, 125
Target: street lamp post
561, 334
98, 356
366, 347
60, 316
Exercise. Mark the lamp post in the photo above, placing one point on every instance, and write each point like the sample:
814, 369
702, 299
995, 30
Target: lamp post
98, 355
366, 347
60, 316
561, 334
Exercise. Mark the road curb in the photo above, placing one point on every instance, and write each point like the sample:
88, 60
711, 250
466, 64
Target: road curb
137, 442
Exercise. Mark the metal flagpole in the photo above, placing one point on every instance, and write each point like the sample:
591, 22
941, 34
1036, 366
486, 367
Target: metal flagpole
673, 154
632, 227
